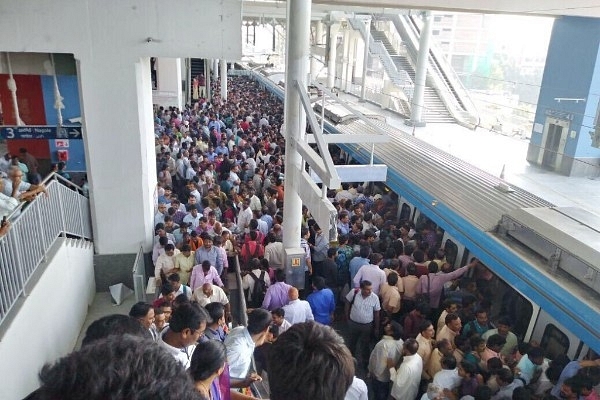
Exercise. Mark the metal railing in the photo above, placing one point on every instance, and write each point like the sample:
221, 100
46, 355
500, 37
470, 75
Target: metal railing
35, 226
400, 78
139, 276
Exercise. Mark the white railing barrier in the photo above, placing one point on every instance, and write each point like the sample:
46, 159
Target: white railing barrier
139, 276
35, 226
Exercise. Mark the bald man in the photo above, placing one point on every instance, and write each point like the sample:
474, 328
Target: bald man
297, 311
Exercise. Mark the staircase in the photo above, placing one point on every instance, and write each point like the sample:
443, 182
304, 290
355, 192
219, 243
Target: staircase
435, 109
379, 36
196, 68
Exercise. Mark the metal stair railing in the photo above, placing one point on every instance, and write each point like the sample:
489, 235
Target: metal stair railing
400, 78
35, 226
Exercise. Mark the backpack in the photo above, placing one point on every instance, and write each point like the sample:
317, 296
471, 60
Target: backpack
258, 291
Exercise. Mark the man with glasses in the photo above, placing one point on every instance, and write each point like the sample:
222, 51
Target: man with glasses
186, 326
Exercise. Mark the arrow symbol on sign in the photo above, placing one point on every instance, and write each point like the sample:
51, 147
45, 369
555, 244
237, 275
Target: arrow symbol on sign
74, 133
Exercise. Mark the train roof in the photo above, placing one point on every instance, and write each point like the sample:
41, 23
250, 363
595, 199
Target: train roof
473, 193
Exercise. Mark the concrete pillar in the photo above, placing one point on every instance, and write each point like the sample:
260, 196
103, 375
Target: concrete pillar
363, 89
215, 68
207, 72
224, 80
169, 91
126, 171
315, 65
331, 62
418, 100
344, 85
298, 35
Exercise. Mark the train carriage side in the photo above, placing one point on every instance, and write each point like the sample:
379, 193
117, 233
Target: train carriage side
413, 165
473, 231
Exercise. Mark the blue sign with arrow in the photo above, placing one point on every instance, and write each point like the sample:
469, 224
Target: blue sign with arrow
40, 132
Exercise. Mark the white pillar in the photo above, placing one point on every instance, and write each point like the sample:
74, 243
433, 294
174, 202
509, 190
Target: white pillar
345, 59
126, 171
168, 75
351, 60
363, 89
418, 100
224, 80
215, 68
298, 36
315, 65
331, 62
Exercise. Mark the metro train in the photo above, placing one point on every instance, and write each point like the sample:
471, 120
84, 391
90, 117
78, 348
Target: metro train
547, 258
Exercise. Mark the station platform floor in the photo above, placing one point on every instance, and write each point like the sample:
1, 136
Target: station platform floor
491, 151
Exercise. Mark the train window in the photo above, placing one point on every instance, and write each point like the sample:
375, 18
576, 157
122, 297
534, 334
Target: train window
451, 250
405, 212
554, 342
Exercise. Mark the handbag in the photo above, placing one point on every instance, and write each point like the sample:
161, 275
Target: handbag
423, 298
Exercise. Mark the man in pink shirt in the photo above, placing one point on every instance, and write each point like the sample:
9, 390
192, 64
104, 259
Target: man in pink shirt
204, 273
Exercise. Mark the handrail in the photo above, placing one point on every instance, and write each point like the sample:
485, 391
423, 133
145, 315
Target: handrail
400, 78
139, 276
243, 307
61, 213
49, 177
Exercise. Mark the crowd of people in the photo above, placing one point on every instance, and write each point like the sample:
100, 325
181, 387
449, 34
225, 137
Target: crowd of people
412, 325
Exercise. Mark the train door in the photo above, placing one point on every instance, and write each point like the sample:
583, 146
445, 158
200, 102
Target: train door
555, 339
554, 140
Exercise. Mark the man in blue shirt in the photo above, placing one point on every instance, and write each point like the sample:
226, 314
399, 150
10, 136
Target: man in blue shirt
357, 262
322, 301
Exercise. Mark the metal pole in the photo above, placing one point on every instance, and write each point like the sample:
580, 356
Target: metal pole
207, 79
223, 80
418, 100
363, 89
298, 36
344, 84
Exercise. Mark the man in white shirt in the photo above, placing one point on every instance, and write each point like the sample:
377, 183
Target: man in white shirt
407, 377
390, 346
279, 321
186, 325
193, 218
240, 344
362, 311
297, 311
245, 216
209, 293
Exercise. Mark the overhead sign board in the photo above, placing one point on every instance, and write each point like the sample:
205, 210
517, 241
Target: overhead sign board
40, 132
